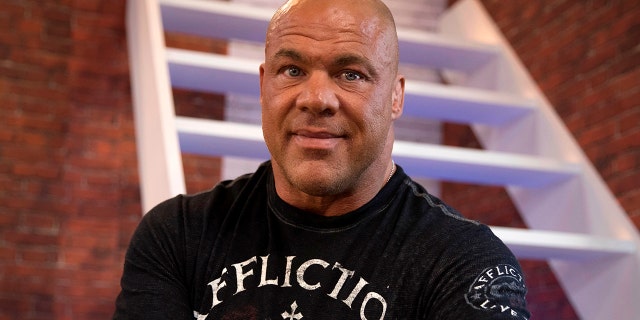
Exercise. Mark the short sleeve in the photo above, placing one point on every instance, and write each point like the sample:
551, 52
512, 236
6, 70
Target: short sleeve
153, 285
480, 280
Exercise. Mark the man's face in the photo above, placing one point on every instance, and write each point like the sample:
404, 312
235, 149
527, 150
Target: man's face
329, 94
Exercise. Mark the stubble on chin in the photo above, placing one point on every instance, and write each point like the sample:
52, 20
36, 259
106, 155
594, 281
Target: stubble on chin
317, 179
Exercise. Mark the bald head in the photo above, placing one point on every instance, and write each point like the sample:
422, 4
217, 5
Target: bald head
370, 17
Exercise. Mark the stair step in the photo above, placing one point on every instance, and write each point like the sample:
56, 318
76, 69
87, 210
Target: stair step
219, 73
464, 105
220, 138
215, 19
434, 50
217, 138
538, 244
480, 166
213, 72
227, 20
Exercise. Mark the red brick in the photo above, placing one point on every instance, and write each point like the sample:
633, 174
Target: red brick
29, 238
92, 309
8, 253
89, 162
629, 101
42, 306
56, 12
33, 272
44, 222
98, 209
42, 123
627, 82
636, 220
88, 5
196, 43
598, 133
24, 73
626, 142
99, 25
89, 227
594, 115
94, 257
31, 26
627, 162
43, 170
629, 122
9, 219
34, 57
31, 286
13, 307
624, 183
39, 256
83, 240
622, 24
97, 196
630, 201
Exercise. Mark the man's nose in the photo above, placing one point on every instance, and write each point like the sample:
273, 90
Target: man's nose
319, 95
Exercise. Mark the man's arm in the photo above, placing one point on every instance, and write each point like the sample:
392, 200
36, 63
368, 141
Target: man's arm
153, 281
481, 280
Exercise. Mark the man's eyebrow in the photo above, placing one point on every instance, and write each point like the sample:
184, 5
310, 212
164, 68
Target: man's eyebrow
291, 54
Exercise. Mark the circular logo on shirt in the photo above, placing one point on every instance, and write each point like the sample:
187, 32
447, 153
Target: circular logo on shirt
500, 289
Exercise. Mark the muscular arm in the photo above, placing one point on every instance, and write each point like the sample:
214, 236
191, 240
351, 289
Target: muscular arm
483, 283
153, 282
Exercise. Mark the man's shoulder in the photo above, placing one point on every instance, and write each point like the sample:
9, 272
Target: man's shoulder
426, 216
423, 205
216, 200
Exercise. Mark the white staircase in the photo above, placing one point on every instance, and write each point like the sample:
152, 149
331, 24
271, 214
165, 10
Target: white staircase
576, 223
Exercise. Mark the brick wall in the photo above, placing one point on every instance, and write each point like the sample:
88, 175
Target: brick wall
584, 55
69, 196
69, 200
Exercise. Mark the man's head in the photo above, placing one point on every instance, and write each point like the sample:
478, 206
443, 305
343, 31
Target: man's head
329, 93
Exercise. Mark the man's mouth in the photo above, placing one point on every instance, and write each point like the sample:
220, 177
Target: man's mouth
316, 139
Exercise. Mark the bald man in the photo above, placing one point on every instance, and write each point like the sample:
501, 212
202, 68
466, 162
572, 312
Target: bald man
330, 227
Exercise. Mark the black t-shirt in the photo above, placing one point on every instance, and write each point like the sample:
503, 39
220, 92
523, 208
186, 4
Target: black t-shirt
238, 251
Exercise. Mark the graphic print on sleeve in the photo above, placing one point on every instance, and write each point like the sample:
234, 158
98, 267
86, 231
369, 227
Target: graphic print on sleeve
498, 289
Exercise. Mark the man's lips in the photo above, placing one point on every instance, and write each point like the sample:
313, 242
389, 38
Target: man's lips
316, 139
316, 134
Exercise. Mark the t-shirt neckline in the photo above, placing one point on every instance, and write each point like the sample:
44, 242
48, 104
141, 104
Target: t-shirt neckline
301, 219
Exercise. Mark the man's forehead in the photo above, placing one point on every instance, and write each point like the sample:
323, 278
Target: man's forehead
292, 33
295, 46
339, 58
329, 24
332, 15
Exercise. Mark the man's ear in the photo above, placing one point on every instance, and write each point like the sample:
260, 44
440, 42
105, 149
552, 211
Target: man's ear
261, 79
397, 97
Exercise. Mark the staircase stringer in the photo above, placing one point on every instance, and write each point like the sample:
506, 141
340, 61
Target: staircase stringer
599, 289
159, 157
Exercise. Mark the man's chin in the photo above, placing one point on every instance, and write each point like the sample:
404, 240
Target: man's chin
317, 181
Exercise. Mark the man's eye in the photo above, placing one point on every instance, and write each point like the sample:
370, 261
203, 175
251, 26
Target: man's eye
352, 76
293, 71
